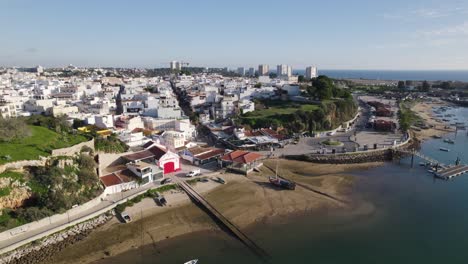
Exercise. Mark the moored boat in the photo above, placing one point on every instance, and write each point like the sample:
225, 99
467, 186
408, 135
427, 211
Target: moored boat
193, 261
448, 140
282, 182
445, 149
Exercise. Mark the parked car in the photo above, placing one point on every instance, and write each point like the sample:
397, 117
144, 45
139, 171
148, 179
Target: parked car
126, 217
166, 180
160, 200
194, 173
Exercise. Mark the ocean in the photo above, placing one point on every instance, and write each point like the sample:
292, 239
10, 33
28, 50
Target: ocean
418, 219
433, 75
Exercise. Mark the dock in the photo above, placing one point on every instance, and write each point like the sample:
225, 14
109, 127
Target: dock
224, 222
451, 172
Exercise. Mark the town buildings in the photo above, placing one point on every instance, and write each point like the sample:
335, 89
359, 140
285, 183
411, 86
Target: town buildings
263, 69
311, 72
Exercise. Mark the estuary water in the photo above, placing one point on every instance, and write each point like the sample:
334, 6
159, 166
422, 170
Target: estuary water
417, 219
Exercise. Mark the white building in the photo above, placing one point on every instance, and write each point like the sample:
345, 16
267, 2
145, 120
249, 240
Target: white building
175, 65
241, 71
311, 72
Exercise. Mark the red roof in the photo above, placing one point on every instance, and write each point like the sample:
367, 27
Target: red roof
157, 152
110, 180
210, 154
240, 156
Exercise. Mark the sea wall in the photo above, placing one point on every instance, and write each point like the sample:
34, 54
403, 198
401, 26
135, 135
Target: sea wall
377, 155
70, 151
46, 248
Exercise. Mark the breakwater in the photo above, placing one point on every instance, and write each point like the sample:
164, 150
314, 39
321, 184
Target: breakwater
378, 155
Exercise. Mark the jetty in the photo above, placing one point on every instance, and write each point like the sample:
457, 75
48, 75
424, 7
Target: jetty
224, 222
451, 172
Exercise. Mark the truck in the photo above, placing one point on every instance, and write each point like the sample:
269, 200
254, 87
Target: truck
193, 173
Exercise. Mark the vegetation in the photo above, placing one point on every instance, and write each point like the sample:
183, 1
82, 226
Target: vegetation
56, 187
407, 117
294, 117
111, 144
41, 142
13, 129
330, 142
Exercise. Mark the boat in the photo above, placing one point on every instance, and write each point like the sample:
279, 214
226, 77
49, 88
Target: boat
422, 163
436, 136
448, 140
220, 180
281, 182
445, 149
193, 261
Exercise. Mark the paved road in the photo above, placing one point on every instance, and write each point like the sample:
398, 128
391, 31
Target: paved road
105, 202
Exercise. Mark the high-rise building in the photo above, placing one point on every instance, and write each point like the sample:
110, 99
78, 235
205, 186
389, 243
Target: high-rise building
173, 65
263, 69
283, 70
241, 71
252, 71
311, 72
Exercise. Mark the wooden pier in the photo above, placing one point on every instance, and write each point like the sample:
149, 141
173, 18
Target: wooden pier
451, 172
222, 220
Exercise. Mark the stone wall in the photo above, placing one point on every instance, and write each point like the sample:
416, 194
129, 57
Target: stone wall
387, 154
70, 151
22, 163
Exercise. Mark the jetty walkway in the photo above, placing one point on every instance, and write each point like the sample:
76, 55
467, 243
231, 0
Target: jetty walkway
223, 221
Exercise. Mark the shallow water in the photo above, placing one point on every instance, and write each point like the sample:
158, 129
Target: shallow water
418, 219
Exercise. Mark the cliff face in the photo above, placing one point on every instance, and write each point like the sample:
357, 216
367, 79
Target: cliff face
14, 193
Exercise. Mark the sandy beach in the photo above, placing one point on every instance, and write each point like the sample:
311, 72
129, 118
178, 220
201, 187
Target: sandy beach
246, 201
424, 110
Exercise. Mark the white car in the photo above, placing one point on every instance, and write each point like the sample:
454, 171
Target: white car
193, 173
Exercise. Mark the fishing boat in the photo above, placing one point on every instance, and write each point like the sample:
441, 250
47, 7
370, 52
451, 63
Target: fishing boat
448, 140
436, 136
445, 149
281, 182
193, 261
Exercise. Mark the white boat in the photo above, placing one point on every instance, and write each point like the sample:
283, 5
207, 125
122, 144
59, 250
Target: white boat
193, 261
445, 149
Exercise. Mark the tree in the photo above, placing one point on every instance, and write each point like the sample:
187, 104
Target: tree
425, 87
13, 128
401, 85
445, 85
258, 85
301, 78
323, 86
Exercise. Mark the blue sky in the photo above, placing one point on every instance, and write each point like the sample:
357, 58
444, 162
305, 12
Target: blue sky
332, 34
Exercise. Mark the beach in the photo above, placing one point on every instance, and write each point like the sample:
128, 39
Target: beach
424, 110
246, 201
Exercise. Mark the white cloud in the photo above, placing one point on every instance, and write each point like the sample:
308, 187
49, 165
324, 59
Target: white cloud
460, 30
425, 13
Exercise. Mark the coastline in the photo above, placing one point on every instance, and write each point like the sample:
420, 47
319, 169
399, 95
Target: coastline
247, 201
424, 110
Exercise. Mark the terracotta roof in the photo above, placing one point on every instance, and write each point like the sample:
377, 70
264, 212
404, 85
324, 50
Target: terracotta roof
157, 152
241, 156
212, 153
125, 175
197, 150
110, 180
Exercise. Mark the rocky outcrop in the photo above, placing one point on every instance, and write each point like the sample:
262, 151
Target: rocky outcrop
41, 250
19, 193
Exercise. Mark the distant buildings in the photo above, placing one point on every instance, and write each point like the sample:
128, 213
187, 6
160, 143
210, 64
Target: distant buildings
283, 70
241, 71
252, 72
176, 65
263, 69
311, 72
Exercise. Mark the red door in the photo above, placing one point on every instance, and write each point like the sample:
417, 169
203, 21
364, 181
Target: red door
169, 167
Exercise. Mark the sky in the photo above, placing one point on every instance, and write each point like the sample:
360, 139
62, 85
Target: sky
331, 34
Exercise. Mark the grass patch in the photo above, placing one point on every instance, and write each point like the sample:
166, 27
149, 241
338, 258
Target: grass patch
41, 142
278, 107
330, 142
5, 191
17, 176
